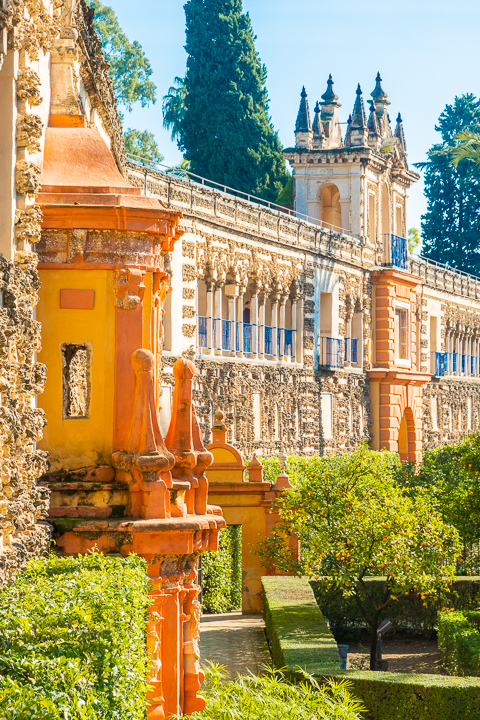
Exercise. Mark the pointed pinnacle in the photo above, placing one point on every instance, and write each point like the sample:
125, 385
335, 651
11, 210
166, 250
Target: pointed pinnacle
329, 95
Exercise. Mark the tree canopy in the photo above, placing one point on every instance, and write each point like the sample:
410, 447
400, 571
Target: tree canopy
451, 225
354, 519
130, 70
142, 144
220, 111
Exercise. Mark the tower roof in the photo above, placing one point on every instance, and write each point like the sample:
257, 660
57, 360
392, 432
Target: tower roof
358, 115
379, 95
317, 122
303, 123
329, 96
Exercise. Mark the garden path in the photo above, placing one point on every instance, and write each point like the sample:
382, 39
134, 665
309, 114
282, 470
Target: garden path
234, 640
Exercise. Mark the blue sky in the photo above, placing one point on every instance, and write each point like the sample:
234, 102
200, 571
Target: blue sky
427, 51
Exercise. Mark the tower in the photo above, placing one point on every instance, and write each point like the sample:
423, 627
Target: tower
357, 184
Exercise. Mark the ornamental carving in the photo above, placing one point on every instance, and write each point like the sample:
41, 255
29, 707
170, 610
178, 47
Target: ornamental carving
27, 177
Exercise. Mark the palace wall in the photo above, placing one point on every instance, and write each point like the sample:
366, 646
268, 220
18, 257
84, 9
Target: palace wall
242, 250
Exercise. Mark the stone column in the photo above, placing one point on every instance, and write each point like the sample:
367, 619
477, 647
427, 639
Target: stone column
299, 330
261, 326
231, 291
210, 312
240, 322
274, 321
254, 322
217, 331
281, 329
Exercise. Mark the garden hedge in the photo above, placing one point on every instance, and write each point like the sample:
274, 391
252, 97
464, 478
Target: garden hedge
459, 642
407, 613
73, 640
387, 696
221, 576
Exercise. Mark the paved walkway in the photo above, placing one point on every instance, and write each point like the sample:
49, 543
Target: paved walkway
234, 640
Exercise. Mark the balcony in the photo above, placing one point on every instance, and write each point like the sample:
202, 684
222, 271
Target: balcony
395, 251
230, 337
336, 353
451, 363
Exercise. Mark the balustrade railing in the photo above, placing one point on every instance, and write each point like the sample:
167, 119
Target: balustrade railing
217, 334
332, 353
395, 251
452, 363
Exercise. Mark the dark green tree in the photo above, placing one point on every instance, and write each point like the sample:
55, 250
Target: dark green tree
225, 129
174, 107
142, 144
451, 225
130, 70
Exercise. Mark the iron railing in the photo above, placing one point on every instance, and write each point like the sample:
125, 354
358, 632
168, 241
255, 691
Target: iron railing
351, 350
244, 338
452, 363
395, 251
332, 353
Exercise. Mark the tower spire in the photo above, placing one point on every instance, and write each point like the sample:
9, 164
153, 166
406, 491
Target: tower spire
379, 95
373, 127
400, 134
329, 96
303, 123
317, 123
358, 115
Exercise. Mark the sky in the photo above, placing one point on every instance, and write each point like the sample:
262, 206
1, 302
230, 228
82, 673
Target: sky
427, 52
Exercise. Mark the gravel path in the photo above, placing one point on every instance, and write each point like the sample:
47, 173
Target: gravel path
234, 640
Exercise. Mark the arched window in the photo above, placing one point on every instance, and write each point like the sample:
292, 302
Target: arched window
330, 208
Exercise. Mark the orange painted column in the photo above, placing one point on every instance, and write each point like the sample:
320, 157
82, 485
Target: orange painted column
396, 385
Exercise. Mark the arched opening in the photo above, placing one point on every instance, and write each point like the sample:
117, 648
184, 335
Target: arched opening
330, 208
406, 436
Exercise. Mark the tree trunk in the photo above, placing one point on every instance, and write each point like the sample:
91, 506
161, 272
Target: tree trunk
373, 642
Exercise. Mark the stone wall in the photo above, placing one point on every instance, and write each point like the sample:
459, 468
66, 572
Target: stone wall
22, 504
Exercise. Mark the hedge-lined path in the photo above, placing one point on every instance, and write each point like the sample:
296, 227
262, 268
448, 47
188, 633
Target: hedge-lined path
234, 640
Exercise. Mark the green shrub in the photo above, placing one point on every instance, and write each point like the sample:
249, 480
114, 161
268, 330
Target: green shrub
73, 640
221, 576
387, 696
298, 634
409, 614
459, 643
272, 697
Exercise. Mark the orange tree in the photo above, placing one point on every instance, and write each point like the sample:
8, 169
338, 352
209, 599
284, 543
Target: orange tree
354, 520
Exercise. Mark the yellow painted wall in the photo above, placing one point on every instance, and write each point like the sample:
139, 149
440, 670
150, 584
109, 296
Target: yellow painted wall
75, 443
253, 520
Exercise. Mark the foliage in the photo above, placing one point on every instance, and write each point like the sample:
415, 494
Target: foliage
220, 112
409, 615
468, 147
143, 144
222, 573
450, 475
173, 107
298, 635
459, 643
387, 696
130, 69
73, 640
286, 196
272, 697
414, 240
451, 225
353, 519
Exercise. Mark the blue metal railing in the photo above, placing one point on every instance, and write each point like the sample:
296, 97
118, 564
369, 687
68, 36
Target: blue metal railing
332, 353
351, 350
231, 336
448, 363
395, 249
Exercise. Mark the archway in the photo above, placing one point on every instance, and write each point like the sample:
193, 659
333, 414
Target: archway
330, 208
406, 436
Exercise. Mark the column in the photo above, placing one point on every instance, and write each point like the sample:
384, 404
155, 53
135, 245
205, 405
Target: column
210, 298
274, 322
298, 315
261, 326
231, 291
254, 322
217, 332
281, 329
239, 348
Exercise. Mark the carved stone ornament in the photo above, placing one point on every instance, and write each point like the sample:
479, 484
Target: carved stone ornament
27, 177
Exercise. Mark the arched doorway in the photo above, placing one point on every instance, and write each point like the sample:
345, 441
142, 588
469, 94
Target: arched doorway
406, 436
330, 208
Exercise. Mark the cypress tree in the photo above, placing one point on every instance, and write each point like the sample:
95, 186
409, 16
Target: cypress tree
451, 225
225, 129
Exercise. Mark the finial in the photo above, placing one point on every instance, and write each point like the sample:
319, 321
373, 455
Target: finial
329, 96
282, 459
379, 94
303, 123
359, 89
303, 94
399, 118
219, 415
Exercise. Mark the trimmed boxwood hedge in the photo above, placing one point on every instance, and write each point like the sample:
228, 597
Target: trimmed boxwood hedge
73, 640
408, 613
387, 696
